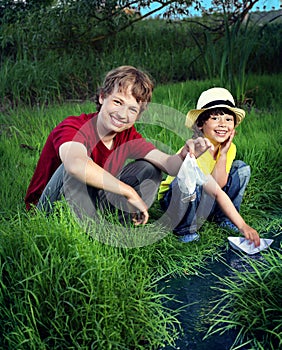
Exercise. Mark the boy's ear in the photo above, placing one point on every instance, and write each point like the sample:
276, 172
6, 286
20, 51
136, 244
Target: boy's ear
101, 98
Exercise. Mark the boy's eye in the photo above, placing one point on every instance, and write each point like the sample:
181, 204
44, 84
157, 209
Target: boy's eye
117, 102
220, 118
133, 110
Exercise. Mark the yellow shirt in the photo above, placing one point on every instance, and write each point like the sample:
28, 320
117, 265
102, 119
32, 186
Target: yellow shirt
206, 163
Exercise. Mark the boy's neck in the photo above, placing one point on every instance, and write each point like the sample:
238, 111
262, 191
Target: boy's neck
108, 140
108, 143
105, 136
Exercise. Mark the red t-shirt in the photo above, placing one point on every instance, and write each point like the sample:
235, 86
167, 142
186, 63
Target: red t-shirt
128, 144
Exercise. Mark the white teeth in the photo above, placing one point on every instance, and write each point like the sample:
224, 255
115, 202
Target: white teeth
117, 122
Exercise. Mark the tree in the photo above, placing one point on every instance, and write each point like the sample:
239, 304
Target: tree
226, 42
92, 20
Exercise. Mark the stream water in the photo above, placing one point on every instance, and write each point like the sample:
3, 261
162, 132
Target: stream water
196, 293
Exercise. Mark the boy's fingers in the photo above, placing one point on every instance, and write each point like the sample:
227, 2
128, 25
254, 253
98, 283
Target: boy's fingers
140, 218
253, 237
257, 240
232, 135
198, 146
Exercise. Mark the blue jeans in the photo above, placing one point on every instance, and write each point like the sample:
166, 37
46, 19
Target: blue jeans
187, 217
144, 177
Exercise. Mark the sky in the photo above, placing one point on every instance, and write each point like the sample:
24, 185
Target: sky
269, 5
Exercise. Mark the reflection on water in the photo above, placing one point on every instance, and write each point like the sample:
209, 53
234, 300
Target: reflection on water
195, 293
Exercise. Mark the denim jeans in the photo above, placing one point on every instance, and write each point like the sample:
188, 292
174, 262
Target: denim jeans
187, 217
144, 177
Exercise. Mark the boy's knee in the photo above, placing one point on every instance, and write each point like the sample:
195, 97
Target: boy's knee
241, 168
147, 170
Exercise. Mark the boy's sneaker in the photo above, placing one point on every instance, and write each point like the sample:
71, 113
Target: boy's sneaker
189, 237
226, 224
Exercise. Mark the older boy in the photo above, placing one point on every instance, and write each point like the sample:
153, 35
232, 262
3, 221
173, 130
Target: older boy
83, 157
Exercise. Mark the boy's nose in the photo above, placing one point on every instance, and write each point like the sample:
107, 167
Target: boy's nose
123, 113
222, 121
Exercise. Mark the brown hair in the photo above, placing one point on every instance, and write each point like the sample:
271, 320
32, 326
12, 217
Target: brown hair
124, 76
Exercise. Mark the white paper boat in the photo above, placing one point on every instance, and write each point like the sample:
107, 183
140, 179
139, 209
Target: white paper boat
241, 243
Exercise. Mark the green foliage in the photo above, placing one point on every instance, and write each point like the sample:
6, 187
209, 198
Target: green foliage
259, 142
251, 303
58, 53
231, 53
61, 26
63, 289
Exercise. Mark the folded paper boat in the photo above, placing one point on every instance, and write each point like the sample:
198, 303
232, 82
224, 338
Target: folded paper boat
240, 243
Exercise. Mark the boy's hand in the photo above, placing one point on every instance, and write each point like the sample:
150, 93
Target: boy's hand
251, 234
196, 147
138, 208
139, 218
226, 144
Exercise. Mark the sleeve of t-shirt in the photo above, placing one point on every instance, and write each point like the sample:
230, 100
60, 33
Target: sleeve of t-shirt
70, 129
137, 145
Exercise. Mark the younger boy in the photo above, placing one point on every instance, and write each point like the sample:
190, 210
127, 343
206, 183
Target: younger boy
215, 118
83, 157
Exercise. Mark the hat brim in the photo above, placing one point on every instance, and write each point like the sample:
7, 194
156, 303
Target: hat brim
193, 114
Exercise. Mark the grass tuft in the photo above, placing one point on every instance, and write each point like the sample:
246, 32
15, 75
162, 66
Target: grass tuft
251, 303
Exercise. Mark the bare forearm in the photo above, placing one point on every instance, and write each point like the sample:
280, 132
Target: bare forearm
170, 164
219, 172
229, 210
79, 165
226, 205
88, 172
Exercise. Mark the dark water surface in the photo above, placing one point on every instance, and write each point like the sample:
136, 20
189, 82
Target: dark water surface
196, 294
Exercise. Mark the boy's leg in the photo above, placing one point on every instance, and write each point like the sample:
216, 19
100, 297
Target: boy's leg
180, 215
52, 191
144, 177
63, 185
238, 180
141, 175
84, 200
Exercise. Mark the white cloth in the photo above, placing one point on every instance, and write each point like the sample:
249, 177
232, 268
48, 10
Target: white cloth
189, 176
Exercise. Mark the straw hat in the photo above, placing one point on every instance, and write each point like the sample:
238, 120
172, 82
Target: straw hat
213, 98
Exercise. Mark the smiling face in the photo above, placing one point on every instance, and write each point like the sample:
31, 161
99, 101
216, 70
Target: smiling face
119, 111
218, 127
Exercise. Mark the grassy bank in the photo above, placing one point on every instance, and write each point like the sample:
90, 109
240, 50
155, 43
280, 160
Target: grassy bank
258, 318
60, 289
50, 69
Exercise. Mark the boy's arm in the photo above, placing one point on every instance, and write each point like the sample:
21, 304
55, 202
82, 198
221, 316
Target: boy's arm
219, 172
171, 164
79, 165
226, 205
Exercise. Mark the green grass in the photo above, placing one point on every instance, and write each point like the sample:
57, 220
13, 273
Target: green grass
42, 63
251, 302
60, 289
63, 289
